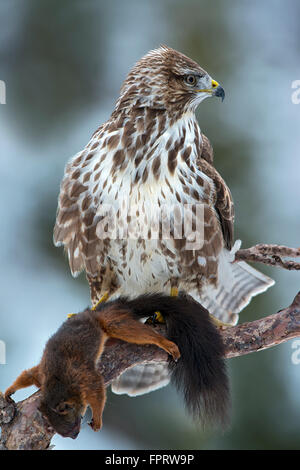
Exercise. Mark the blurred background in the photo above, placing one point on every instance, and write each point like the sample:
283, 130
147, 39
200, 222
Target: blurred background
63, 64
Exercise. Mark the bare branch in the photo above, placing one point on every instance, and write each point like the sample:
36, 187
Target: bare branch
270, 254
24, 428
265, 332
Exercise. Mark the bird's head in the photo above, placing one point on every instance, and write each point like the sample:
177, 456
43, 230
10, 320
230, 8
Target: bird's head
167, 79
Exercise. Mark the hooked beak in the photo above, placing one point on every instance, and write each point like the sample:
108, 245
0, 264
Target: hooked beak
215, 90
219, 92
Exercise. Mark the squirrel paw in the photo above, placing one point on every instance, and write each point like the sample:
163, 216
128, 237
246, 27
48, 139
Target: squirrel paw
96, 425
7, 395
174, 351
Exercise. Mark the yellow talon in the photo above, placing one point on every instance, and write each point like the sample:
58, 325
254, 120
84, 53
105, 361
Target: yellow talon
155, 318
70, 315
158, 317
103, 299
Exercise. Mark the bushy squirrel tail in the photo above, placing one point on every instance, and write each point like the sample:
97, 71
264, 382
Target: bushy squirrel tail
200, 374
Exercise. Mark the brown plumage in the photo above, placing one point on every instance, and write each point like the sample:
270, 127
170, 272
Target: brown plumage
151, 162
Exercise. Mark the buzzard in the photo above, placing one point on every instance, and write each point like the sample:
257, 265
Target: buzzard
151, 155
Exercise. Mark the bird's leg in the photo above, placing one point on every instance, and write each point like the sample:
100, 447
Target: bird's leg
96, 285
218, 323
174, 291
157, 316
104, 298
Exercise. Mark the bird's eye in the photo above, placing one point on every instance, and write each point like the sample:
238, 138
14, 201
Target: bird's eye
190, 79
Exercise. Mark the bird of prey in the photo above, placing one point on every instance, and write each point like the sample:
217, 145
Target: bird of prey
148, 156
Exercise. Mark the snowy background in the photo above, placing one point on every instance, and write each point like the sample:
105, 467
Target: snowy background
63, 64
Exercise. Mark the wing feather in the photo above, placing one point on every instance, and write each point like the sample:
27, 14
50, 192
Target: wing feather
223, 200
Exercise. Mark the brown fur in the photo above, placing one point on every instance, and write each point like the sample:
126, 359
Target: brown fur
67, 374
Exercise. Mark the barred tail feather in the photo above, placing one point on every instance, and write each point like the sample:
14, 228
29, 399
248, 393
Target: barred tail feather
238, 282
142, 379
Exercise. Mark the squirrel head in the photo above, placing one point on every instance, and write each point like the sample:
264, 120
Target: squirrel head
62, 408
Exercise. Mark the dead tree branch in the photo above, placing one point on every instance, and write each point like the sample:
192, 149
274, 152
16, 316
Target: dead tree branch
270, 254
23, 426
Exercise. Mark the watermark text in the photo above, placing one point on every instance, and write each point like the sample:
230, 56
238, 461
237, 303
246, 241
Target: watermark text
2, 92
153, 222
296, 94
2, 352
296, 354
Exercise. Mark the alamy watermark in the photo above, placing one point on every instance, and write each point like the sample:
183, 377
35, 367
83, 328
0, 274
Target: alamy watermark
2, 92
296, 94
296, 354
2, 352
149, 221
